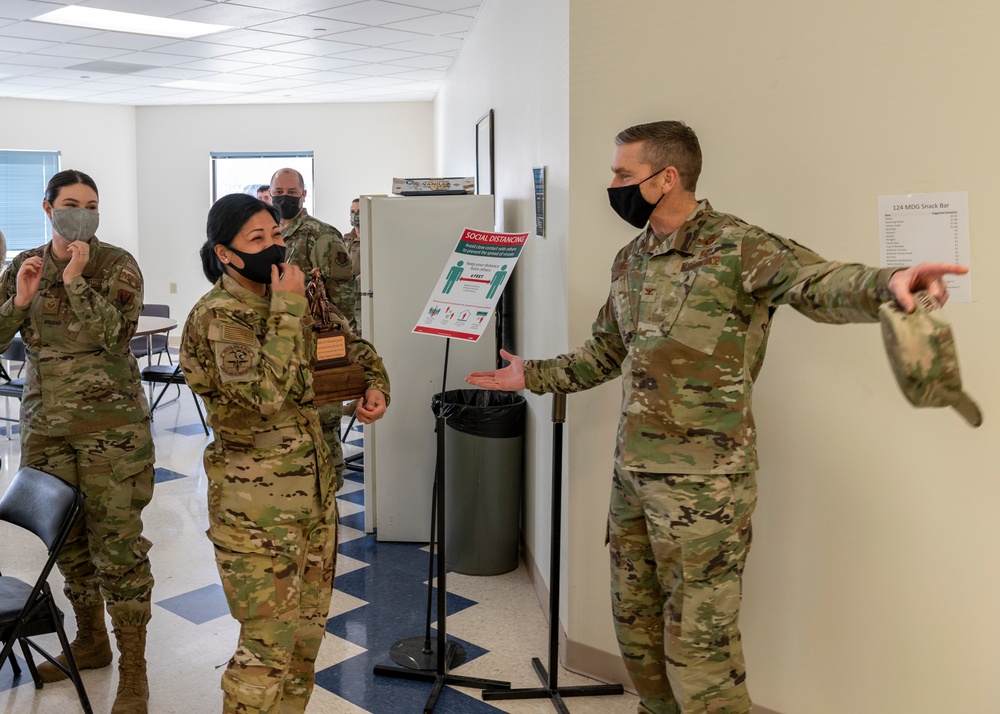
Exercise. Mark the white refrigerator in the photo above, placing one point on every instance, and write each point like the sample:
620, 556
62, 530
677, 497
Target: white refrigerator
405, 243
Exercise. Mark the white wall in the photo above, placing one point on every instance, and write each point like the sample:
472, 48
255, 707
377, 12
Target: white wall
94, 138
358, 149
514, 61
871, 587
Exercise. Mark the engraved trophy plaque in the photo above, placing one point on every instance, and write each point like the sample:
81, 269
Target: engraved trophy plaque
335, 378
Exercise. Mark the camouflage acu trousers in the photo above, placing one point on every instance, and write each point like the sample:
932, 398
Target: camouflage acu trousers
104, 559
278, 581
329, 419
678, 545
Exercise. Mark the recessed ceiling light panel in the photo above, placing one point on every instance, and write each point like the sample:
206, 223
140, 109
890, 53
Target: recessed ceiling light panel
114, 21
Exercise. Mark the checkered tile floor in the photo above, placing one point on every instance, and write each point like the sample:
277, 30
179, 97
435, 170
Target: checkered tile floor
379, 598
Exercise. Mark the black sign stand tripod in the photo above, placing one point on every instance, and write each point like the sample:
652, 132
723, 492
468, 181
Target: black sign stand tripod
445, 651
550, 680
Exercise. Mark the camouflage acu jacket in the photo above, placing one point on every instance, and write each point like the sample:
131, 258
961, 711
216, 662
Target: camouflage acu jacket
686, 325
81, 376
250, 358
353, 242
310, 243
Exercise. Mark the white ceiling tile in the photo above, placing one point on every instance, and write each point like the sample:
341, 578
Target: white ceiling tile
170, 73
233, 15
249, 39
467, 11
329, 76
46, 31
421, 75
125, 41
297, 6
81, 51
372, 82
17, 45
24, 9
439, 5
39, 80
375, 36
375, 54
430, 45
264, 56
307, 26
373, 12
193, 48
320, 48
134, 80
440, 24
323, 63
231, 78
269, 71
284, 83
14, 69
376, 69
423, 62
217, 65
98, 85
153, 59
41, 61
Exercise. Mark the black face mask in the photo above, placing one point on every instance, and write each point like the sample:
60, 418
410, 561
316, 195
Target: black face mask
628, 203
257, 266
288, 206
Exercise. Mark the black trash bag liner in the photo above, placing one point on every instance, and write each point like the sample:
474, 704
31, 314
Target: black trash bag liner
482, 412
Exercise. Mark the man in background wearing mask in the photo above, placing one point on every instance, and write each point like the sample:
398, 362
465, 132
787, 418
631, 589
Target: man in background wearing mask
311, 243
353, 242
686, 324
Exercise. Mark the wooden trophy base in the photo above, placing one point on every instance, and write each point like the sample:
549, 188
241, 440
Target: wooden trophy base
338, 384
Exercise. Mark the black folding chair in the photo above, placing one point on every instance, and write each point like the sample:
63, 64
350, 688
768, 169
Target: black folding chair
170, 375
10, 389
48, 507
153, 344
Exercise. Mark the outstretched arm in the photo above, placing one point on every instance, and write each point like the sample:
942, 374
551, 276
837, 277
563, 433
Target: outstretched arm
925, 276
507, 379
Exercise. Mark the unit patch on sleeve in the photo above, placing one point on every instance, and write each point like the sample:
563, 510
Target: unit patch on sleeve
130, 278
234, 360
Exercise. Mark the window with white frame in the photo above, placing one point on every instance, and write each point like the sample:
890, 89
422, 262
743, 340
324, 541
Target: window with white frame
23, 177
245, 172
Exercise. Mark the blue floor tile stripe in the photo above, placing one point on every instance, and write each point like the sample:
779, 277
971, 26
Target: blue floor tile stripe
395, 588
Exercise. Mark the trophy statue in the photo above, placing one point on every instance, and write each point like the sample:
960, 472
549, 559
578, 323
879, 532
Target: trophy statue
335, 378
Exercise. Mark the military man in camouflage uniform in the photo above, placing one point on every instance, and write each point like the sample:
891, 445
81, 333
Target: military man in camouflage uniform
686, 325
311, 243
352, 240
271, 495
76, 302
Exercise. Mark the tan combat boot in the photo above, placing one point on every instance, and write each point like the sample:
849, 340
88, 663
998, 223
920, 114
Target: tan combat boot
91, 649
133, 690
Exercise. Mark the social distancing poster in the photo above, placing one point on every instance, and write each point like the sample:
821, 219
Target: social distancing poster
470, 285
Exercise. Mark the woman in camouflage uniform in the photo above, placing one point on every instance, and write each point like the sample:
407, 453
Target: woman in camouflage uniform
76, 302
247, 350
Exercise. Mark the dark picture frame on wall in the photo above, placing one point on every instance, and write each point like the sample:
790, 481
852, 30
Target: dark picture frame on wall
484, 154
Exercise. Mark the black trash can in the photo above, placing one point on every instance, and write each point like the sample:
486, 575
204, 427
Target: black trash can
484, 468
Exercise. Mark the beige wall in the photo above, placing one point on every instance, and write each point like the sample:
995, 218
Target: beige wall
96, 139
871, 587
358, 149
